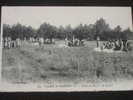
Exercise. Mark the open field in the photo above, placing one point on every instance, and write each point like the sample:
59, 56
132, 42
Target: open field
32, 64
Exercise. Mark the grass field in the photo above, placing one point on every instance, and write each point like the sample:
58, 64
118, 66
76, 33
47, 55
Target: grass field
30, 63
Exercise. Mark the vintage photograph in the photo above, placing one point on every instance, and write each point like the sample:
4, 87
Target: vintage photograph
70, 48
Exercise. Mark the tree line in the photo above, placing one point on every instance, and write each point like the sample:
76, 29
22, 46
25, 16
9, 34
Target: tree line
83, 31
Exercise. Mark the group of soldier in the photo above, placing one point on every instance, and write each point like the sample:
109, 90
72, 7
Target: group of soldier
110, 44
116, 45
74, 42
9, 43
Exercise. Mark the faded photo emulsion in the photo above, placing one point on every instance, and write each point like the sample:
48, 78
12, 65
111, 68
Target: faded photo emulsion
66, 48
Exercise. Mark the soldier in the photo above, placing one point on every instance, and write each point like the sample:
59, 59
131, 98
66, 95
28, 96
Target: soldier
9, 42
124, 45
18, 42
118, 45
47, 40
76, 42
6, 42
66, 41
98, 39
129, 45
53, 41
41, 41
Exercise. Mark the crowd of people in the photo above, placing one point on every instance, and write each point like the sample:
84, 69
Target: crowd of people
74, 42
116, 45
15, 43
9, 43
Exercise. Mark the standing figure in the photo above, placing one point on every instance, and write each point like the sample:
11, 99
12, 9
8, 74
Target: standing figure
18, 42
66, 41
9, 42
6, 42
41, 41
98, 39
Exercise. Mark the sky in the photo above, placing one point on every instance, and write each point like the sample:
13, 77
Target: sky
35, 16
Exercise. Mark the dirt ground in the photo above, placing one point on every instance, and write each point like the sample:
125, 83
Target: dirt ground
50, 63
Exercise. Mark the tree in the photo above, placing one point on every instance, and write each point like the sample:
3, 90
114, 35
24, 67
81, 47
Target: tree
127, 34
80, 32
6, 30
89, 31
17, 31
29, 32
68, 32
46, 31
100, 27
60, 33
117, 32
21, 31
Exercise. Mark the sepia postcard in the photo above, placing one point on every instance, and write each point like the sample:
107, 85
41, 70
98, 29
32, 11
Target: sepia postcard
52, 48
